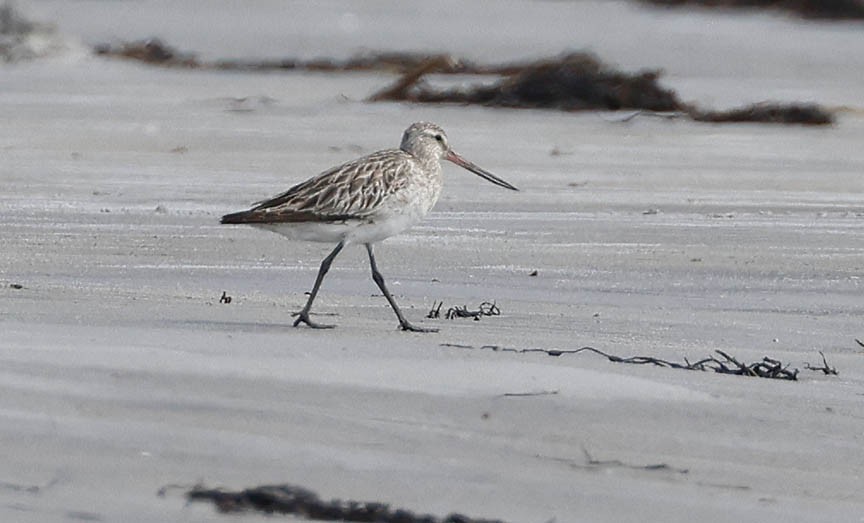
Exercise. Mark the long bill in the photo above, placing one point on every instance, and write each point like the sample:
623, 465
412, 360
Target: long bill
483, 173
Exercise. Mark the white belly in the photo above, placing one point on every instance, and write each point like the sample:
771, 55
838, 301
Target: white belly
401, 211
349, 231
388, 222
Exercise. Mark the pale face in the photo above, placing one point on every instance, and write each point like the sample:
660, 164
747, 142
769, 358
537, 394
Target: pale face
425, 140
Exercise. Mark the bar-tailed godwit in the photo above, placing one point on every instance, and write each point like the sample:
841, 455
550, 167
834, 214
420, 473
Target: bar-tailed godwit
363, 201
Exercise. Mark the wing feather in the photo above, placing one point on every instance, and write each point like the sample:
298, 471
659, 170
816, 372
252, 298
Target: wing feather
354, 190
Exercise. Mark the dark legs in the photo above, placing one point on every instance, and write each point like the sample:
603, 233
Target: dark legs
379, 279
303, 316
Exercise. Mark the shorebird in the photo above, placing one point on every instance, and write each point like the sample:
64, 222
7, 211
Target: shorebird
363, 201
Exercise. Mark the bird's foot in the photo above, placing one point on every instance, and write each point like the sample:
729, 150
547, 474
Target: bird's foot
406, 326
303, 317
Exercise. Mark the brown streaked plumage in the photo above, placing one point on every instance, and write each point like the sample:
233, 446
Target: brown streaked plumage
363, 201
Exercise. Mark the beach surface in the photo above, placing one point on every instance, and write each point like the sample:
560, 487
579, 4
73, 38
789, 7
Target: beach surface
122, 371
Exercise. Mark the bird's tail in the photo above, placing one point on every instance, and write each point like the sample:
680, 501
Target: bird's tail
236, 217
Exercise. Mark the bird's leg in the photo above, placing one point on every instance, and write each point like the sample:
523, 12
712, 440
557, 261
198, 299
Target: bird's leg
379, 279
303, 316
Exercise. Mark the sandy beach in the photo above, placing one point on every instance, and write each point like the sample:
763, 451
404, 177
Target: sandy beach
121, 372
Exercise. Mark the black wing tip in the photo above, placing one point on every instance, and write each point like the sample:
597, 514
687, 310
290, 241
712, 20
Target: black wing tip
235, 217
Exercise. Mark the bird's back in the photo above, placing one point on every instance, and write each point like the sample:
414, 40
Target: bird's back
354, 190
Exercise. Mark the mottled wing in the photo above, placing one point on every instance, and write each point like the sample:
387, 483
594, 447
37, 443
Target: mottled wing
351, 191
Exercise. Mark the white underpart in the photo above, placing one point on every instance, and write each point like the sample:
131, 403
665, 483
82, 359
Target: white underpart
400, 212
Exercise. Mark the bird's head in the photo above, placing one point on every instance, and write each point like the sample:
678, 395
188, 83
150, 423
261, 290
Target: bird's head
426, 141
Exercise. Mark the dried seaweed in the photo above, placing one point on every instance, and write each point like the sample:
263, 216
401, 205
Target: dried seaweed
570, 82
794, 113
722, 363
305, 504
398, 90
154, 51
151, 51
435, 311
767, 368
592, 464
498, 348
578, 82
825, 368
395, 62
819, 9
486, 308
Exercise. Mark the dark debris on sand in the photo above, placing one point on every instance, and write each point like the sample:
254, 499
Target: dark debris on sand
152, 51
305, 504
22, 39
394, 62
579, 81
12, 23
803, 113
816, 9
722, 363
570, 82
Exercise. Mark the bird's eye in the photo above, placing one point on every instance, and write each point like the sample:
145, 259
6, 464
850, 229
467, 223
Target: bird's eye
439, 138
